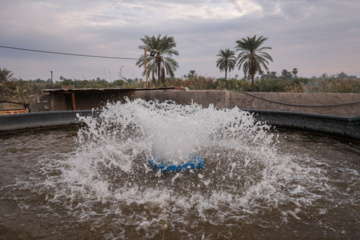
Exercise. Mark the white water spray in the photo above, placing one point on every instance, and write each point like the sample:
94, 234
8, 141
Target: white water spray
244, 172
96, 183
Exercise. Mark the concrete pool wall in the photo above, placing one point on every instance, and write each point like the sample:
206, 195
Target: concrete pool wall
334, 104
320, 112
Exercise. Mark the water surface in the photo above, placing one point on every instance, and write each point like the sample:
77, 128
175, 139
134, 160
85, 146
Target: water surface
94, 182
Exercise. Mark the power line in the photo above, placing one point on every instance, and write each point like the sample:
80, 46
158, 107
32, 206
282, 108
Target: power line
70, 54
298, 105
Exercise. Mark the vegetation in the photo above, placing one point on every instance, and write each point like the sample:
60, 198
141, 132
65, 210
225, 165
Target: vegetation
226, 61
162, 62
5, 83
191, 74
20, 90
252, 56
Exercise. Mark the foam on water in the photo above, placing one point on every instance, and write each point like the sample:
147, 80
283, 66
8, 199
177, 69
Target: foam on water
243, 169
246, 175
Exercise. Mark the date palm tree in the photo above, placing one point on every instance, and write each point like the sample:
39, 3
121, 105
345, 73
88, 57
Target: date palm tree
252, 56
163, 62
295, 72
285, 74
226, 61
192, 74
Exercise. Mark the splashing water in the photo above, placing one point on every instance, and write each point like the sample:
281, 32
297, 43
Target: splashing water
248, 177
243, 171
119, 141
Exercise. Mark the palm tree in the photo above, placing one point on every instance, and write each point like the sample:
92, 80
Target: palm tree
295, 72
286, 75
273, 74
5, 76
164, 47
226, 61
252, 56
192, 74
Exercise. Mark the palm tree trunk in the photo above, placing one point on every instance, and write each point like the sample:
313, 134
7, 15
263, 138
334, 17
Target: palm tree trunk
252, 81
225, 73
153, 75
163, 75
158, 61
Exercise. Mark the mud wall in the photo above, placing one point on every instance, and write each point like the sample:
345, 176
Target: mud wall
324, 113
333, 104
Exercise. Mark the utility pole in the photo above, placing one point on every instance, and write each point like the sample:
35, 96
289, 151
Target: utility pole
52, 83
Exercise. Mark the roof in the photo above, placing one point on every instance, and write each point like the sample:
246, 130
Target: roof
105, 89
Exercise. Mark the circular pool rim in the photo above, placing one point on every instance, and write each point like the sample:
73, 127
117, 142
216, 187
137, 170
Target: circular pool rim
324, 124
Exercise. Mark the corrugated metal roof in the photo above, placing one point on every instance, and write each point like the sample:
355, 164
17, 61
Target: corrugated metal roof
106, 89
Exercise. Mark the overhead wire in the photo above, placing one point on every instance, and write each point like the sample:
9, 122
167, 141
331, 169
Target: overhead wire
297, 105
69, 54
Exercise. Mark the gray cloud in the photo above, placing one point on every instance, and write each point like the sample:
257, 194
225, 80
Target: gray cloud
315, 37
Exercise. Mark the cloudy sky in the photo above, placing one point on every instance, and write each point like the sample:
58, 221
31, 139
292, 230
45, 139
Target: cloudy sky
315, 36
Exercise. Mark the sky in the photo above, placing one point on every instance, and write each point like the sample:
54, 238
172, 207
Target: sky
314, 36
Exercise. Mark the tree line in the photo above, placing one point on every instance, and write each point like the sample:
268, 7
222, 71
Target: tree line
19, 90
252, 57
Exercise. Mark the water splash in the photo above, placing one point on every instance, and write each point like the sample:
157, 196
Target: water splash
243, 169
256, 183
247, 173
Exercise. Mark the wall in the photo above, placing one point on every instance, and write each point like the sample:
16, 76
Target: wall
289, 110
335, 104
40, 103
40, 120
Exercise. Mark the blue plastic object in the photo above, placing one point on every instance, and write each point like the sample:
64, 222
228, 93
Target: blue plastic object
197, 162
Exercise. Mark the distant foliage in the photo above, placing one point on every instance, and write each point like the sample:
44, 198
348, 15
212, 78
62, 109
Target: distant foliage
6, 85
194, 82
346, 85
19, 90
232, 84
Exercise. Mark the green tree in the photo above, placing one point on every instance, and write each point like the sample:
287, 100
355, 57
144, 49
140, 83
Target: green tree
285, 74
295, 72
252, 56
192, 74
5, 76
226, 61
273, 74
163, 62
342, 75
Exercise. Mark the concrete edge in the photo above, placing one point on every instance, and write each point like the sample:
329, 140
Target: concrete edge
39, 120
330, 125
325, 124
